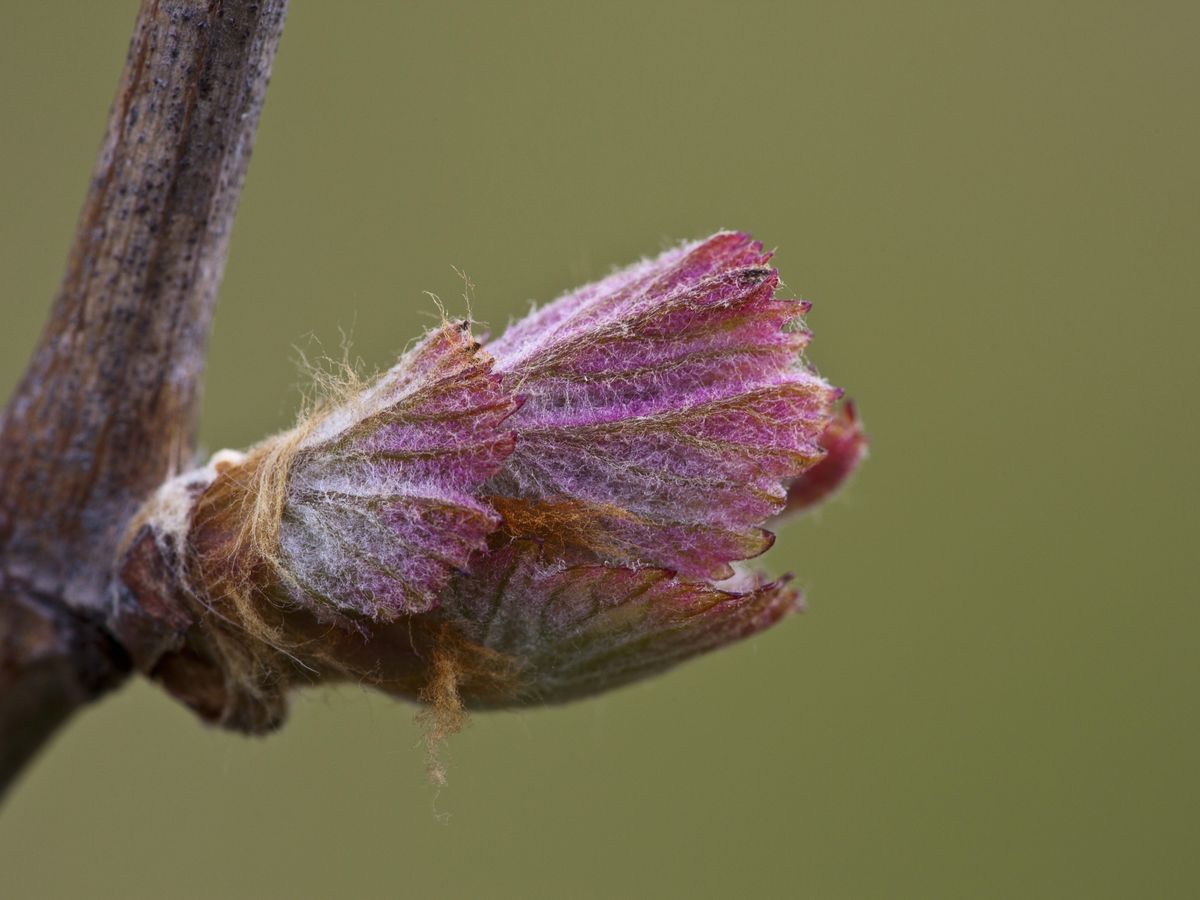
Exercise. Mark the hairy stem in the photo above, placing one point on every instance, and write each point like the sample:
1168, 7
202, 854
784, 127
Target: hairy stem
106, 410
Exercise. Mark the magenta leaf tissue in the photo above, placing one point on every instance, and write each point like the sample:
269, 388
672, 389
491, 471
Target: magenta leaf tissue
560, 512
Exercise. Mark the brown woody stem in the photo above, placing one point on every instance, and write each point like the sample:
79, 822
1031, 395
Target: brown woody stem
106, 410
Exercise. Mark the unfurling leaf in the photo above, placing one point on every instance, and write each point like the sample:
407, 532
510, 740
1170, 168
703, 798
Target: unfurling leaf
561, 632
378, 507
664, 408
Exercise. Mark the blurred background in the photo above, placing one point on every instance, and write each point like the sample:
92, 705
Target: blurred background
993, 208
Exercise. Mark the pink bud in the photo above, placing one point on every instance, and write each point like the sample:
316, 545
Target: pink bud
845, 445
547, 520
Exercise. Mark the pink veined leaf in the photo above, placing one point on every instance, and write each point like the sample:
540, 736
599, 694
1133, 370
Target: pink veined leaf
380, 507
568, 631
663, 410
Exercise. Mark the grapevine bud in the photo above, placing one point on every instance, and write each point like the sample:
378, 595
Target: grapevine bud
541, 521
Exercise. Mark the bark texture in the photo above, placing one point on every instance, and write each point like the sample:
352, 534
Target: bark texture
106, 410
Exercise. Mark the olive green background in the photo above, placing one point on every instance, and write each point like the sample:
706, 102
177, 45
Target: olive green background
994, 209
